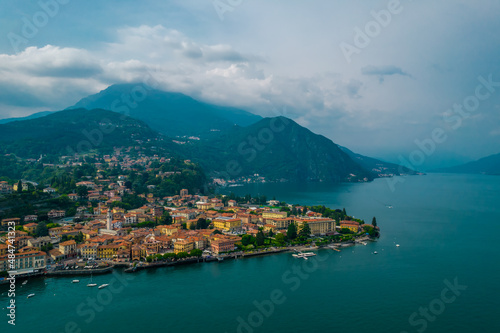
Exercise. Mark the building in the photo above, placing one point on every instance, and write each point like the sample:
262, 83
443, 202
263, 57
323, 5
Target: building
30, 218
318, 226
24, 187
88, 251
5, 188
10, 221
222, 245
184, 193
39, 242
351, 225
54, 214
227, 224
30, 227
183, 245
107, 251
274, 215
68, 248
32, 259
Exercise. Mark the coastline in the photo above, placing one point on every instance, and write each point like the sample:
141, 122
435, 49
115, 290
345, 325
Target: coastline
229, 256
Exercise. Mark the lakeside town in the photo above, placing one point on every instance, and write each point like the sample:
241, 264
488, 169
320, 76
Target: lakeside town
110, 211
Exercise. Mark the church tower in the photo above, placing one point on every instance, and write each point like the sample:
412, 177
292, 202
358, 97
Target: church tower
109, 219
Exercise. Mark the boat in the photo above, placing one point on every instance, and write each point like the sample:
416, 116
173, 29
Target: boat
103, 286
24, 282
303, 255
30, 295
397, 245
75, 281
220, 258
90, 284
375, 252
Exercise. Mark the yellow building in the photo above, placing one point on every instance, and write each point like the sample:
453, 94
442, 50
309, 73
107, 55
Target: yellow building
274, 215
351, 225
68, 248
88, 250
30, 227
227, 224
183, 245
3, 249
107, 251
317, 226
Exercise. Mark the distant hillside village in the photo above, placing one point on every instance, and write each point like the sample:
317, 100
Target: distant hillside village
113, 209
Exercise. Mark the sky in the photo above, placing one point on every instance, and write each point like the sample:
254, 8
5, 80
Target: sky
405, 81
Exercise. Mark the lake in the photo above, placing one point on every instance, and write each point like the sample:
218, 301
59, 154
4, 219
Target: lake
443, 277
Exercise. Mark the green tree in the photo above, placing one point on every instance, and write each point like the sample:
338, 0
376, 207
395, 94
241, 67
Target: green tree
280, 238
271, 233
202, 223
305, 231
374, 221
82, 191
260, 238
291, 233
247, 240
41, 230
181, 255
195, 253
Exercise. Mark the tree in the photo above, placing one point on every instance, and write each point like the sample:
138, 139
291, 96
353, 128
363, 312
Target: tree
202, 223
291, 233
41, 230
217, 231
374, 221
181, 255
184, 226
19, 186
280, 238
166, 218
247, 240
82, 191
195, 253
271, 233
305, 232
260, 238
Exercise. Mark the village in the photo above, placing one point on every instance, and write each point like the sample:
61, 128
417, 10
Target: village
101, 232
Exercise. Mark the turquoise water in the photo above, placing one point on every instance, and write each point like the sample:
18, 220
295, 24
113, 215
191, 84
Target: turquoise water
447, 226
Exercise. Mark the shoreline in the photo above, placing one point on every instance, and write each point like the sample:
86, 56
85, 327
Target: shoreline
189, 261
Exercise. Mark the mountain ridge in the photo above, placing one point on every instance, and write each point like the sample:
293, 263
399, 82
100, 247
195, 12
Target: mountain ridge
489, 165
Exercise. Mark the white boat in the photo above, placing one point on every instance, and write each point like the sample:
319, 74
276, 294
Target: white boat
375, 252
75, 281
90, 284
220, 258
24, 282
303, 255
30, 295
103, 286
397, 245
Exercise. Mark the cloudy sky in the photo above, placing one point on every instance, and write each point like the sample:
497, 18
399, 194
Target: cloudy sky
375, 76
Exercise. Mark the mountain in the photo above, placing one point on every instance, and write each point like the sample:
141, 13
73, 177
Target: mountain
489, 165
278, 149
32, 116
378, 167
173, 114
70, 131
